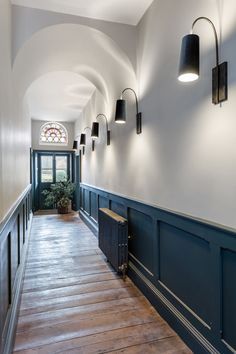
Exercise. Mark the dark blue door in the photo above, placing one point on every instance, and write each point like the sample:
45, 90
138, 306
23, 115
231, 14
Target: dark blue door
52, 167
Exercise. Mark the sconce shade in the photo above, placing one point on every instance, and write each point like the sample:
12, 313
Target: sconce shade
120, 116
189, 58
95, 130
75, 145
82, 139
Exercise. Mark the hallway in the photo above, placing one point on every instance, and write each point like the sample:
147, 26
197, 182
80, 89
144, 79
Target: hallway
73, 302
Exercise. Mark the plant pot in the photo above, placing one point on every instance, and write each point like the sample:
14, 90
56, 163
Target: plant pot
63, 210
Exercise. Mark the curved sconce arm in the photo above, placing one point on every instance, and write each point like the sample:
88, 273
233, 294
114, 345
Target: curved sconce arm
87, 128
215, 34
135, 95
108, 131
189, 64
103, 115
120, 116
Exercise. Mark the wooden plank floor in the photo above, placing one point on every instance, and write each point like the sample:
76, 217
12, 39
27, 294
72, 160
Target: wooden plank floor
73, 302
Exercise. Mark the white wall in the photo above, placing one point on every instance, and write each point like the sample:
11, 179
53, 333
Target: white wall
36, 125
185, 160
14, 124
192, 165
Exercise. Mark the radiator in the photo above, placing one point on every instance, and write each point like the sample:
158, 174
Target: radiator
113, 239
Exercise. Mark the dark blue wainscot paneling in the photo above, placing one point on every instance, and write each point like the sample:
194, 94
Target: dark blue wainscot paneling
186, 254
118, 208
94, 206
229, 297
14, 231
103, 202
185, 267
141, 231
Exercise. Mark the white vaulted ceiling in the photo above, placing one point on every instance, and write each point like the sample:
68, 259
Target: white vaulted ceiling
59, 96
58, 71
123, 11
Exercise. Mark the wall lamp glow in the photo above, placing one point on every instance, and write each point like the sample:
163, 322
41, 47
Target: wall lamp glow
95, 129
189, 64
120, 116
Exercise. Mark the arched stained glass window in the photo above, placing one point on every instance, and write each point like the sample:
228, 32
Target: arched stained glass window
53, 133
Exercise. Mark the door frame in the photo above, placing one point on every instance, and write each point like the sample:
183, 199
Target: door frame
77, 180
37, 168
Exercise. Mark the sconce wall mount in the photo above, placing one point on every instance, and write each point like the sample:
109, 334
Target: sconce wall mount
189, 64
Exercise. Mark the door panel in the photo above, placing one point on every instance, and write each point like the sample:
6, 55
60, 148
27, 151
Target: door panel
46, 170
45, 177
61, 168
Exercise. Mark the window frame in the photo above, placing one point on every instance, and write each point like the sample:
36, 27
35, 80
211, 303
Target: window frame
48, 143
54, 155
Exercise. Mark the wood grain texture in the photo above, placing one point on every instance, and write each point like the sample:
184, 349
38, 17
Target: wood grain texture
73, 302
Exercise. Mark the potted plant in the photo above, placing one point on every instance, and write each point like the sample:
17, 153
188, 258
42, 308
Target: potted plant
60, 195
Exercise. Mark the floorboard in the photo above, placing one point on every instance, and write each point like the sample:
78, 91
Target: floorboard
73, 301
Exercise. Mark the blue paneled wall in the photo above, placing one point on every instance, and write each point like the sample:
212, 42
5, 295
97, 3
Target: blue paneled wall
14, 236
185, 266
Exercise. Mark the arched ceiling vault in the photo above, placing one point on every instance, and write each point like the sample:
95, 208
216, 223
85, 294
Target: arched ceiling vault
59, 96
76, 49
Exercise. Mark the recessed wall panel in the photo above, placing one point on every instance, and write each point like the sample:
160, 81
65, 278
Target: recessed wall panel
23, 223
185, 268
94, 208
5, 277
118, 208
82, 198
19, 237
14, 252
103, 202
229, 297
141, 237
87, 201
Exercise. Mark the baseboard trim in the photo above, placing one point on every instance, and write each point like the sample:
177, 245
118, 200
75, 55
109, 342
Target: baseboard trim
89, 222
204, 345
11, 331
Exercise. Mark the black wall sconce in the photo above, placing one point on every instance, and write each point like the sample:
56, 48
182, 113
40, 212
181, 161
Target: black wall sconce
83, 140
95, 129
75, 145
189, 64
120, 116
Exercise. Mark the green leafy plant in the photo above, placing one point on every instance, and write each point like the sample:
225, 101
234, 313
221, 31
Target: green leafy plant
60, 194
